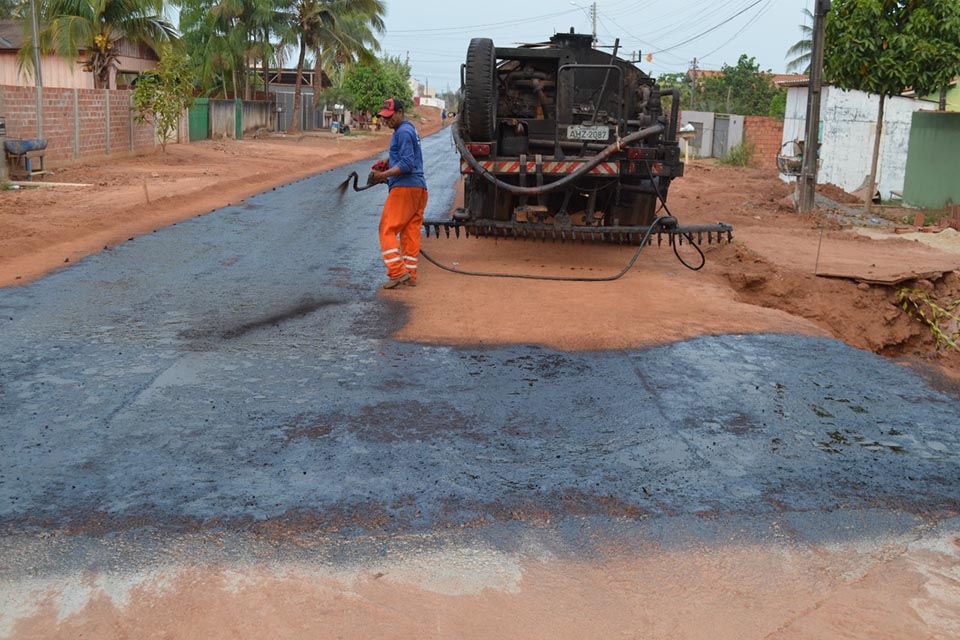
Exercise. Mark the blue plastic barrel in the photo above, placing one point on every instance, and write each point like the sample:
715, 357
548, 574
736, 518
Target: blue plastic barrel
20, 147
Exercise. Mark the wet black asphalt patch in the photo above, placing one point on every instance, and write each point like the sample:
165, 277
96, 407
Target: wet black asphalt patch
236, 371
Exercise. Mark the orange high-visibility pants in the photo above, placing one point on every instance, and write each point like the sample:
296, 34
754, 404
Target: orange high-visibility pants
402, 216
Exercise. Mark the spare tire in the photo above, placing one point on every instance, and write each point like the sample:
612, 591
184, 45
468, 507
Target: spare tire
480, 91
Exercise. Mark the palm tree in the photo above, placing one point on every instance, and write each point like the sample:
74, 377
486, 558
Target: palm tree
322, 24
353, 43
95, 27
223, 38
800, 53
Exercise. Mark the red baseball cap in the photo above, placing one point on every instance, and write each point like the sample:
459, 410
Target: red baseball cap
389, 106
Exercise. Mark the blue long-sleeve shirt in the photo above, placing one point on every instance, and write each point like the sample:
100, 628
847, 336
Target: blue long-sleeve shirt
405, 153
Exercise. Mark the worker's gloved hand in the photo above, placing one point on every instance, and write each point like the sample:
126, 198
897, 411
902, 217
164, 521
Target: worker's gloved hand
381, 165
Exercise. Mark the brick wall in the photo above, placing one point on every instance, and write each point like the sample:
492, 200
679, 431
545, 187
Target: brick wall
75, 122
765, 134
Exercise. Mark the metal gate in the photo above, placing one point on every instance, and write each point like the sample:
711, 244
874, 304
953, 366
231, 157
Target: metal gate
199, 117
721, 131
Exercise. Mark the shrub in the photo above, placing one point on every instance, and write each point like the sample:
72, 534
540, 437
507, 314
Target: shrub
739, 156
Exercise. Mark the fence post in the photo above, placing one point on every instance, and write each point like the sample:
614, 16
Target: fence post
106, 93
76, 123
3, 131
130, 114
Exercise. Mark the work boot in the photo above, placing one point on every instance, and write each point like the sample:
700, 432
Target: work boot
410, 283
393, 282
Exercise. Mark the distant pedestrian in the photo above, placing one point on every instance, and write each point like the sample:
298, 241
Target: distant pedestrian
403, 211
443, 118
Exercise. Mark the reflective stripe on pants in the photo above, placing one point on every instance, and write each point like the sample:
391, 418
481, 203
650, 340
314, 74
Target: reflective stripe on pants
402, 216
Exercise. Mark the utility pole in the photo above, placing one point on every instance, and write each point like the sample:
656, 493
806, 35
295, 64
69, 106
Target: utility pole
593, 15
37, 76
693, 87
594, 24
807, 184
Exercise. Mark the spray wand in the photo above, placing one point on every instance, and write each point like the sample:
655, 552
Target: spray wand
379, 165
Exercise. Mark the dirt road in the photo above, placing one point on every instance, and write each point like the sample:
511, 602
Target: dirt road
765, 281
214, 431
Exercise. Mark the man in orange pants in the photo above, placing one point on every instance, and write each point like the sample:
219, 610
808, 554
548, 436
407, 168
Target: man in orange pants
403, 211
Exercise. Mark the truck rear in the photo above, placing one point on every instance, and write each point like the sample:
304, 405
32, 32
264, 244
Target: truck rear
562, 140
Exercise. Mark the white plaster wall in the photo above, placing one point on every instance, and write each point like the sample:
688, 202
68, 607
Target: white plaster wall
848, 125
735, 133
433, 102
794, 118
705, 120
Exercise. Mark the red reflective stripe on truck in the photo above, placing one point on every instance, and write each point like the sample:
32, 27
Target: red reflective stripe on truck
549, 168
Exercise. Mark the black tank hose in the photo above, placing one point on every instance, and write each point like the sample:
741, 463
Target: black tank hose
562, 182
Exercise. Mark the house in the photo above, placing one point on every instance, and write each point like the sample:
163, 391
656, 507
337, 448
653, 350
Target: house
133, 59
953, 96
847, 128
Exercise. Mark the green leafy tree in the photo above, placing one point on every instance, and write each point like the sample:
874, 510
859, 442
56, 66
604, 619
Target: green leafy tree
741, 89
886, 47
95, 27
778, 105
368, 86
800, 53
161, 94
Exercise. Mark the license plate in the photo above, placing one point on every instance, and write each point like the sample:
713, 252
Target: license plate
582, 132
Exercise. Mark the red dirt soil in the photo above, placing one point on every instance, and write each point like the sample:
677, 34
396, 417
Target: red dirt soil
764, 281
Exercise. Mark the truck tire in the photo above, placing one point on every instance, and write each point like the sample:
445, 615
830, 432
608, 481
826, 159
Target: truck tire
480, 91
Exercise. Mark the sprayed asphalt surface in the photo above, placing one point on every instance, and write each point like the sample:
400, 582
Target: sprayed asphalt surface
235, 372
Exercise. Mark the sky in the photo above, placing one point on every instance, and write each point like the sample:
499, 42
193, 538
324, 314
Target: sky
435, 35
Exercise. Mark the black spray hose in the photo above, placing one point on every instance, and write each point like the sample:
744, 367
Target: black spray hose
562, 182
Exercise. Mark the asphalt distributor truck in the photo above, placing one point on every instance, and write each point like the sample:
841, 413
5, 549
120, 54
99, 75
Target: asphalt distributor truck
559, 140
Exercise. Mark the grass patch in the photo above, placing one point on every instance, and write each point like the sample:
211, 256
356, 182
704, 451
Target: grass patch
739, 156
930, 216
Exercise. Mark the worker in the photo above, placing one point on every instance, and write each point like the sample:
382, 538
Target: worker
403, 211
443, 118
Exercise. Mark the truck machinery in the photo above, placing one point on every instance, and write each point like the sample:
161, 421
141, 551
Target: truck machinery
561, 140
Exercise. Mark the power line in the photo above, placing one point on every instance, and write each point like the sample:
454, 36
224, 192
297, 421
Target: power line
473, 27
749, 23
711, 29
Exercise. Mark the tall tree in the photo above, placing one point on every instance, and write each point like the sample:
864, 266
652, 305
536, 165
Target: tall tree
353, 42
800, 53
223, 38
95, 27
319, 24
888, 46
